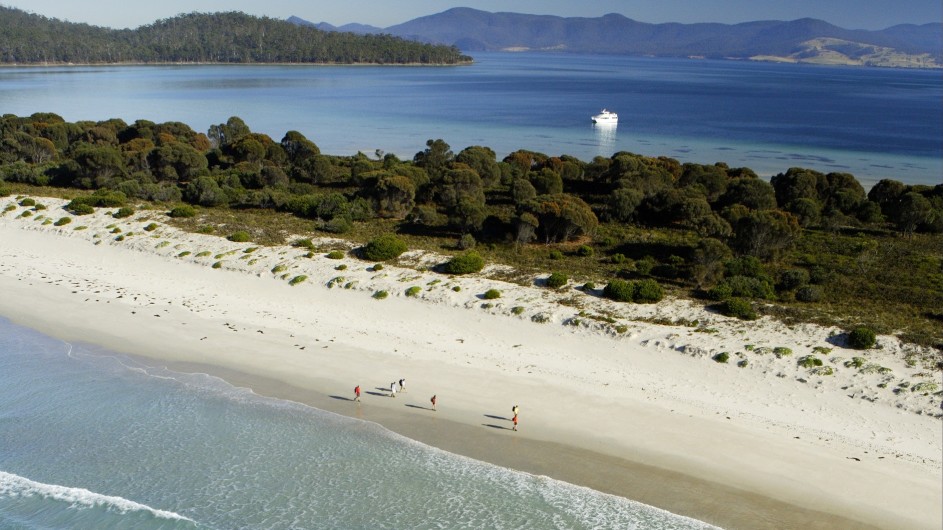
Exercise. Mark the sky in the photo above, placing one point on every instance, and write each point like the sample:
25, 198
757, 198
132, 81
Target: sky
850, 14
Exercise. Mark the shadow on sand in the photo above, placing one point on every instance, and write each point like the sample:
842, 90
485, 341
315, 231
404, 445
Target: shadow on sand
497, 417
501, 427
342, 398
419, 407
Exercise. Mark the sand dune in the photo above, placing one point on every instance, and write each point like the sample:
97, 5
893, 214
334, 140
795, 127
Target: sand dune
636, 384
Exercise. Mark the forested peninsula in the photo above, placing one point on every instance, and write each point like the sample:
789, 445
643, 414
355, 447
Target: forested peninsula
805, 246
204, 38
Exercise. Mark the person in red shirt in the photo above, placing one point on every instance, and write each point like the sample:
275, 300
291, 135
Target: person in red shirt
357, 393
433, 402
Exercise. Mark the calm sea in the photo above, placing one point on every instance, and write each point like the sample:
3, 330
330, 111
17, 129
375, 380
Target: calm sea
91, 439
874, 123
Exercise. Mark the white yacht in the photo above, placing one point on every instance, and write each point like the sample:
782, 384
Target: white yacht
606, 117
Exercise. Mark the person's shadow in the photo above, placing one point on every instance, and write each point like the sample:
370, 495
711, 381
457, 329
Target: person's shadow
342, 398
500, 427
497, 417
419, 407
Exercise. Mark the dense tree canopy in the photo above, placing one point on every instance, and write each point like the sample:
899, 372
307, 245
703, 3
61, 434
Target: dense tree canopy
204, 38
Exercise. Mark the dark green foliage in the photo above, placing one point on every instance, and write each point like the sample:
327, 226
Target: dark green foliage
861, 338
466, 263
809, 293
79, 208
384, 248
793, 279
555, 255
240, 236
557, 280
738, 308
123, 212
151, 227
809, 361
491, 294
721, 357
231, 37
648, 291
413, 291
335, 254
63, 221
747, 287
182, 211
620, 291
584, 251
28, 202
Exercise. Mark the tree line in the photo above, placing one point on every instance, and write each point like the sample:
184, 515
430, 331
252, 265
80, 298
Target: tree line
204, 38
734, 228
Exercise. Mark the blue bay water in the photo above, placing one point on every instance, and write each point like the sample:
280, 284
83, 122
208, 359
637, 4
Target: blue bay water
92, 439
874, 123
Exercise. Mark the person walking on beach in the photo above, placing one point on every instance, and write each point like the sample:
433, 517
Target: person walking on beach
433, 402
393, 389
515, 409
357, 393
402, 385
515, 423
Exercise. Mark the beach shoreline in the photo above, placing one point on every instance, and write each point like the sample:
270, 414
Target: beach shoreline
674, 419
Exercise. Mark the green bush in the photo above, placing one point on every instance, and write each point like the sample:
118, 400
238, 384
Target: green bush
491, 294
738, 308
810, 361
297, 279
384, 248
618, 258
240, 236
279, 269
124, 211
648, 292
303, 243
782, 351
856, 362
589, 286
467, 242
721, 357
466, 263
4, 191
557, 280
861, 338
79, 208
63, 221
184, 254
620, 291
341, 267
584, 251
380, 295
151, 227
28, 202
809, 293
413, 291
457, 288
924, 387
218, 265
517, 310
743, 363
555, 254
182, 211
335, 254
793, 279
378, 267
720, 292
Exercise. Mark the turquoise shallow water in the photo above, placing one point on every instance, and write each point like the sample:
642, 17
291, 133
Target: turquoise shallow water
875, 123
91, 439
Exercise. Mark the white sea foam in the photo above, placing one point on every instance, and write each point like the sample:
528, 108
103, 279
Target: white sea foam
16, 486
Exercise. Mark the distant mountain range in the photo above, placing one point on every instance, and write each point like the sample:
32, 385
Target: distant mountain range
804, 40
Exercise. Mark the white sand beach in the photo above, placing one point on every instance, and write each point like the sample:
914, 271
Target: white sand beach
608, 397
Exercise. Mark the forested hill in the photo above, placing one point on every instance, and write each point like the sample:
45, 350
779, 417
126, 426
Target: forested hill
203, 38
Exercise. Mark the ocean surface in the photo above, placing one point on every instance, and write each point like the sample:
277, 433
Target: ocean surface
874, 123
92, 439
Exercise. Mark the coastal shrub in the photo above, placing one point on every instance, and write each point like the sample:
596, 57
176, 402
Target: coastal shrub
47, 221
557, 280
540, 318
182, 211
855, 362
151, 227
743, 363
218, 265
28, 202
924, 387
297, 279
378, 267
621, 328
619, 290
79, 208
749, 287
809, 361
721, 357
617, 258
809, 293
457, 288
555, 254
648, 292
341, 267
63, 221
720, 292
380, 295
124, 211
183, 254
203, 254
413, 291
822, 370
861, 338
240, 236
491, 294
589, 286
4, 191
466, 263
335, 254
384, 248
39, 207
303, 243
738, 308
793, 279
517, 310
645, 265
466, 242
26, 213
824, 350
782, 351
83, 227
120, 238
9, 208
279, 269
584, 251
206, 229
